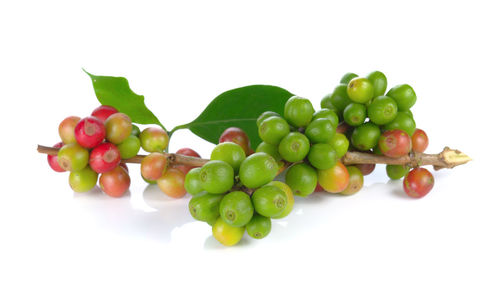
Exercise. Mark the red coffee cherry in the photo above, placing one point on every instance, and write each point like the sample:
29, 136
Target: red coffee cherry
188, 152
104, 158
419, 141
238, 136
115, 182
418, 183
103, 112
52, 160
395, 143
90, 132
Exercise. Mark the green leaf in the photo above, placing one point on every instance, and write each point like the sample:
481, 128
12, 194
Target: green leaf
238, 108
116, 92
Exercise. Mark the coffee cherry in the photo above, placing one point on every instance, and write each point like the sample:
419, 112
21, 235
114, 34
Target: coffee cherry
302, 179
259, 226
395, 143
52, 160
83, 180
154, 139
238, 136
258, 169
289, 197
326, 102
294, 147
104, 157
355, 114
226, 234
236, 209
402, 121
67, 129
153, 166
89, 132
335, 179
188, 152
269, 149
103, 112
366, 168
130, 147
379, 82
382, 110
217, 177
355, 181
229, 152
404, 95
320, 130
273, 129
298, 111
72, 157
205, 207
192, 182
407, 112
135, 131
172, 183
366, 136
115, 182
322, 156
360, 90
340, 99
418, 183
265, 115
419, 141
269, 201
124, 165
328, 114
118, 128
340, 144
348, 77
396, 172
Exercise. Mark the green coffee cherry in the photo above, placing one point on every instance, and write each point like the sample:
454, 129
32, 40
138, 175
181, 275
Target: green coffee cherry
348, 77
229, 152
192, 182
236, 209
302, 179
265, 115
269, 201
329, 114
396, 172
83, 180
226, 234
217, 177
259, 226
379, 82
205, 207
402, 121
322, 156
269, 149
135, 131
273, 129
72, 157
326, 102
360, 90
320, 130
355, 114
382, 110
258, 169
294, 147
340, 144
298, 111
289, 196
404, 95
366, 136
130, 147
340, 99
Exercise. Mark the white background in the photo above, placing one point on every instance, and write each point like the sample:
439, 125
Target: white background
180, 55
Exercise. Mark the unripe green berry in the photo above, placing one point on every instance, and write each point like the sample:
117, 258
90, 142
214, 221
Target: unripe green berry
328, 114
365, 136
382, 110
355, 114
72, 157
396, 172
265, 115
258, 169
379, 82
229, 152
269, 201
294, 147
360, 90
205, 207
259, 226
130, 147
118, 128
302, 179
298, 111
269, 149
192, 182
340, 144
217, 177
348, 77
154, 139
273, 129
320, 130
236, 209
404, 95
83, 180
322, 156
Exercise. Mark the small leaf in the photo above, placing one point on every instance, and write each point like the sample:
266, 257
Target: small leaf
116, 92
238, 108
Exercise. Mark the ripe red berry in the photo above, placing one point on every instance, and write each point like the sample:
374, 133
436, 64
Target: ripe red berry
418, 183
395, 143
419, 141
52, 159
188, 152
115, 182
67, 129
104, 158
238, 136
90, 132
366, 168
103, 112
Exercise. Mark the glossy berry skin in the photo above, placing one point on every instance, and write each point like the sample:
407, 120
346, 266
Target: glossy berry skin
348, 77
396, 172
153, 166
229, 152
238, 136
72, 157
335, 179
322, 156
205, 207
294, 147
395, 143
130, 147
172, 183
67, 129
192, 182
115, 182
355, 181
402, 121
418, 183
366, 136
226, 234
298, 111
258, 169
273, 129
52, 160
269, 149
217, 177
302, 179
103, 112
188, 152
366, 169
382, 110
340, 99
329, 114
269, 201
236, 209
404, 95
118, 128
360, 90
289, 196
135, 131
326, 102
379, 82
355, 114
265, 115
419, 141
320, 130
83, 180
340, 144
89, 132
259, 226
104, 158
154, 139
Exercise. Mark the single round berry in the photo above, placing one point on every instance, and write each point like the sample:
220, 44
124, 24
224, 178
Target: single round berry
236, 209
135, 131
348, 77
172, 183
289, 196
382, 110
320, 130
104, 158
265, 115
322, 156
226, 234
402, 121
52, 160
407, 112
404, 95
326, 102
154, 139
130, 147
366, 136
329, 114
366, 168
360, 90
72, 157
238, 136
355, 114
298, 111
379, 82
83, 180
394, 143
67, 129
258, 169
302, 179
188, 152
396, 172
217, 177
259, 226
269, 201
153, 166
103, 112
205, 207
229, 152
340, 99
192, 182
118, 128
418, 183
294, 147
269, 149
355, 181
89, 132
335, 179
115, 182
419, 141
340, 144
273, 129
